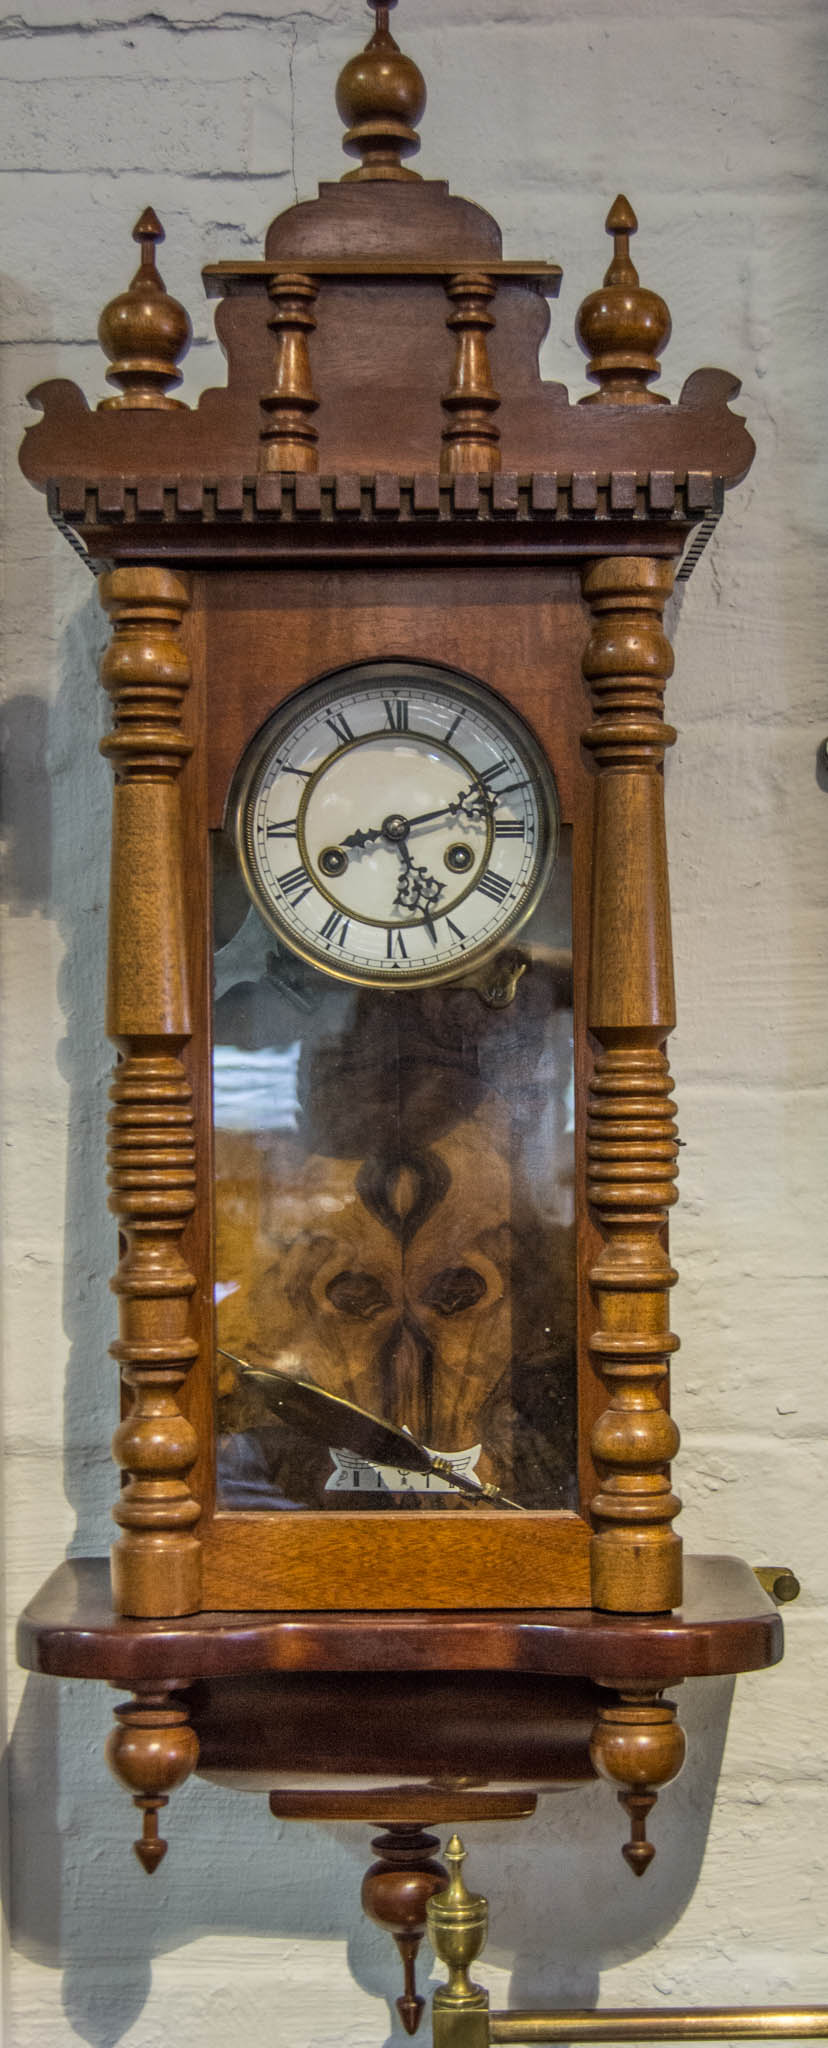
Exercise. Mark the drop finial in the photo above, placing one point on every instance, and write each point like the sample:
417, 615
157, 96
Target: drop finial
381, 95
623, 327
144, 331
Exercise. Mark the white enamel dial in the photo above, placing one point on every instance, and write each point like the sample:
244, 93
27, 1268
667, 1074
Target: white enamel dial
395, 823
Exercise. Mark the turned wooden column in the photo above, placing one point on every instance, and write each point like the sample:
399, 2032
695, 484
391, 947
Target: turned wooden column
631, 1134
288, 438
156, 1561
471, 440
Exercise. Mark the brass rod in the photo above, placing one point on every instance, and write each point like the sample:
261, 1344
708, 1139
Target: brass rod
679, 2023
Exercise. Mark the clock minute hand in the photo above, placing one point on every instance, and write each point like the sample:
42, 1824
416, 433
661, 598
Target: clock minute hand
474, 794
403, 826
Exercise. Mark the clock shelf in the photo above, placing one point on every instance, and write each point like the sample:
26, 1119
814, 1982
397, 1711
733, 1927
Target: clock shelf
457, 1714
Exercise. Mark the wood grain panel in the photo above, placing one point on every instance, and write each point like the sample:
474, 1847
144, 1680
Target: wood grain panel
471, 1560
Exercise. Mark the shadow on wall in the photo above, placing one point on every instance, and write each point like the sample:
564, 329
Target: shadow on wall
57, 824
83, 1903
80, 1901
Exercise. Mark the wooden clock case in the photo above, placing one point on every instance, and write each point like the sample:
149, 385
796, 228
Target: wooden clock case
384, 474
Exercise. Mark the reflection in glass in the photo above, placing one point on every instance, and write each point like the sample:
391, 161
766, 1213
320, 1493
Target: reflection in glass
394, 1221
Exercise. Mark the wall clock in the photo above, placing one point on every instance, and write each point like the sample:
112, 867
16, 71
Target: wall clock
392, 1133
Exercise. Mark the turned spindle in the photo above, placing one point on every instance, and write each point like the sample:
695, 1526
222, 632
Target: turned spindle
289, 437
471, 438
632, 1146
156, 1564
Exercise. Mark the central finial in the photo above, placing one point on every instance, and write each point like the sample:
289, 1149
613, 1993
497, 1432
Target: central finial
380, 95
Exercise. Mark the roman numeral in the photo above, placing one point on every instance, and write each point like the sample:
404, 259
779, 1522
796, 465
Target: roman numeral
494, 886
330, 928
287, 768
396, 712
510, 828
453, 728
340, 728
455, 928
284, 829
394, 944
488, 775
295, 885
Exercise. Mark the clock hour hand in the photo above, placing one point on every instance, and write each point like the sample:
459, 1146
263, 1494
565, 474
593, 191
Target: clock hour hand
359, 839
416, 888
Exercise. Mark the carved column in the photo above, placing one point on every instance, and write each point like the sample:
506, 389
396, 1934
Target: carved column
471, 439
288, 440
156, 1565
631, 1134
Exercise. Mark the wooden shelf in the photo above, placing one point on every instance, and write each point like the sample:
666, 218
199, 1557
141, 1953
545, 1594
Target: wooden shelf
727, 1624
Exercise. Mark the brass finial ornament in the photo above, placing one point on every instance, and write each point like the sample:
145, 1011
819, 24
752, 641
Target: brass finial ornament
623, 327
380, 95
458, 1923
144, 332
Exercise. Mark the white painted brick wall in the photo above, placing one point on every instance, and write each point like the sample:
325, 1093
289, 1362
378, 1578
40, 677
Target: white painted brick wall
708, 115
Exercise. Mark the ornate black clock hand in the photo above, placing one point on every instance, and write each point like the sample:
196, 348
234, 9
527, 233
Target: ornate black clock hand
472, 801
359, 839
416, 888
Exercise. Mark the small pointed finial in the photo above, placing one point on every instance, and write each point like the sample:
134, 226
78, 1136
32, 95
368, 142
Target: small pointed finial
380, 95
623, 327
144, 331
638, 1852
621, 223
150, 1848
455, 1857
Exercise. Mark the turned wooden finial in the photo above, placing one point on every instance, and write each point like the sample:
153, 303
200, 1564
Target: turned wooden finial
151, 1751
144, 332
395, 1894
638, 1745
623, 327
380, 95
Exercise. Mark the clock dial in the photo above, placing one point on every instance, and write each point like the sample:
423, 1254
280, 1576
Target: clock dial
395, 824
